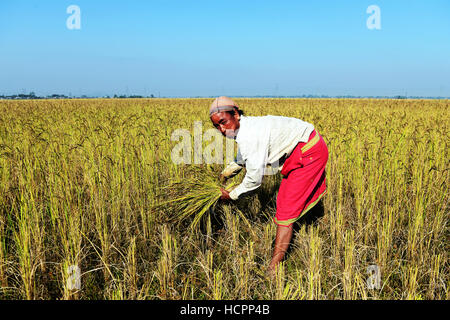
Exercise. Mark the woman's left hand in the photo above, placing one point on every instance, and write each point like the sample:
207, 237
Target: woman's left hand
225, 194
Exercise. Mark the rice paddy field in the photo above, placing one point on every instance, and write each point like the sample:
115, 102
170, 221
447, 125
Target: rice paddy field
92, 206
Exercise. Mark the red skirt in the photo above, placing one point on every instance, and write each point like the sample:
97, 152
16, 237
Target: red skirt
303, 183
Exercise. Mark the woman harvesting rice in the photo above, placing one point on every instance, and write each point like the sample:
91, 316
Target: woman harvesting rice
293, 145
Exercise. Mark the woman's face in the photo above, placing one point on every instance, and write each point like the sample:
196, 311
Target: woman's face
226, 123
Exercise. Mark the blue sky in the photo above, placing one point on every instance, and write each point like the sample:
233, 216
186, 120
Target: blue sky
236, 48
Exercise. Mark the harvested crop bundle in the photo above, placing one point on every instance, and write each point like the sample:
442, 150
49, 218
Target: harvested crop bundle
193, 195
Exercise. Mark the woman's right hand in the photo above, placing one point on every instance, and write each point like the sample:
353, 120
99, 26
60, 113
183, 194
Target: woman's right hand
225, 194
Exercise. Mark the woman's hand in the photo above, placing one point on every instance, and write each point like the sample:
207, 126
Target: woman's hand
223, 178
225, 194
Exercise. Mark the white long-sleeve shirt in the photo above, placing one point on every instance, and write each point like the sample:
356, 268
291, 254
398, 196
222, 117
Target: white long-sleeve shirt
264, 141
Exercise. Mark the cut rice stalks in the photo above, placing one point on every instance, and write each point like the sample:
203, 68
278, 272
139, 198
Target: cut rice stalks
193, 196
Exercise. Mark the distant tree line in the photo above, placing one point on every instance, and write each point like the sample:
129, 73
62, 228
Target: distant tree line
32, 95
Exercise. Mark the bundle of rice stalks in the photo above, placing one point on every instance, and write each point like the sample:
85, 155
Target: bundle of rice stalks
193, 196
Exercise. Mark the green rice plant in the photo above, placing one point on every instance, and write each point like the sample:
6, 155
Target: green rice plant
24, 246
166, 264
3, 258
131, 269
188, 290
217, 288
281, 287
384, 239
348, 276
435, 271
315, 265
411, 283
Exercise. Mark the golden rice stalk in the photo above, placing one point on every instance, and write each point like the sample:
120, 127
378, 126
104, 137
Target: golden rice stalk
192, 196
